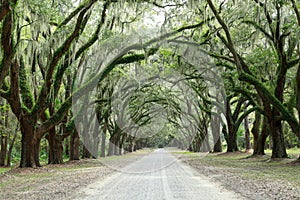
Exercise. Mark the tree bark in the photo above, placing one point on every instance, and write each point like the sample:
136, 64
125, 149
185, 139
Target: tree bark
197, 143
11, 148
110, 147
96, 140
247, 134
3, 137
3, 151
255, 131
215, 129
67, 143
123, 138
231, 139
103, 141
278, 149
117, 141
36, 150
55, 147
232, 143
205, 147
74, 146
85, 152
260, 148
27, 146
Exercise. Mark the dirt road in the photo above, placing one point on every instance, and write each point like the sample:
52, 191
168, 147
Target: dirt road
156, 176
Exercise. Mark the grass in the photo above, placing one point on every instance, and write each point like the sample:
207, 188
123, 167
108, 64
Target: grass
292, 153
254, 168
4, 169
185, 153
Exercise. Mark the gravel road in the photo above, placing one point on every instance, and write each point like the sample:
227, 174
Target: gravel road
156, 176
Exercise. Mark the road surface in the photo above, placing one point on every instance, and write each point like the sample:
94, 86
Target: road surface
157, 176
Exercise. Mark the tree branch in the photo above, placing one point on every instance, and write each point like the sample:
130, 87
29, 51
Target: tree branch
59, 53
7, 46
296, 11
75, 12
6, 7
60, 72
259, 28
242, 117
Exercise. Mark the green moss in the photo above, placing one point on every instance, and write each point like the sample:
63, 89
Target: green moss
26, 94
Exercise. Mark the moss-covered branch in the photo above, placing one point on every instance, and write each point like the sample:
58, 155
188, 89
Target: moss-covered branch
14, 97
7, 47
58, 54
26, 94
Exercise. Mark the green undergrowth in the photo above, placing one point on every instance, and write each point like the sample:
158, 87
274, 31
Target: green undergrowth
4, 169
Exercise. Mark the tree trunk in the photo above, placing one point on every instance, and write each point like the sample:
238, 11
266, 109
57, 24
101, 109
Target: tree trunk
74, 146
135, 145
232, 143
67, 142
111, 146
95, 140
36, 151
3, 151
130, 143
86, 145
27, 146
4, 141
50, 137
103, 141
55, 147
116, 145
190, 147
205, 147
231, 132
11, 148
215, 129
197, 143
58, 149
110, 149
278, 149
255, 131
85, 152
231, 139
121, 143
260, 148
72, 142
247, 134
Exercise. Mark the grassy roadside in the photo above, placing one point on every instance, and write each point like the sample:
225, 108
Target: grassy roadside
4, 169
253, 177
60, 181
